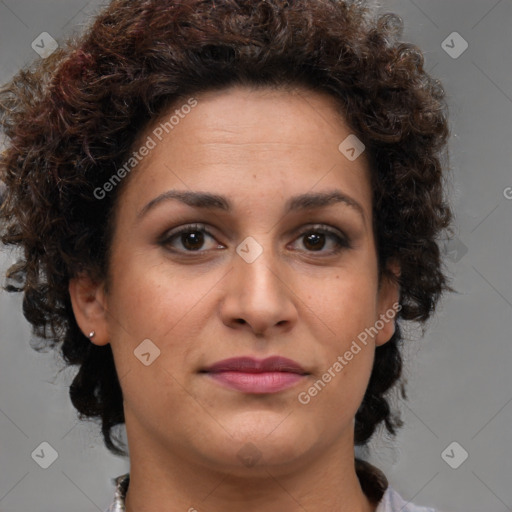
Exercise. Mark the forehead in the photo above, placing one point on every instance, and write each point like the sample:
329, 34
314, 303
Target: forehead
240, 141
285, 115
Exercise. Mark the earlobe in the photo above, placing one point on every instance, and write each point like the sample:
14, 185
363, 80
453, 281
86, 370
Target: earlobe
388, 304
88, 301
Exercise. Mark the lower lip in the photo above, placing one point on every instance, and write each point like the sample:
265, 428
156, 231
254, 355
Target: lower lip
264, 382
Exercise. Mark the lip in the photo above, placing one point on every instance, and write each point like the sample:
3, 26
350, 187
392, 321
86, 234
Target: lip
251, 375
253, 365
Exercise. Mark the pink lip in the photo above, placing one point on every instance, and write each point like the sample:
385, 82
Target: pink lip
252, 375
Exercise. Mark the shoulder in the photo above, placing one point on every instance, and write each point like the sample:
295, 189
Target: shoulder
376, 487
121, 486
392, 502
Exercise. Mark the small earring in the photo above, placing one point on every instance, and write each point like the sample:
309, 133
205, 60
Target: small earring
91, 334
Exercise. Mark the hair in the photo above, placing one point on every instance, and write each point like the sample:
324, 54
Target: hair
71, 120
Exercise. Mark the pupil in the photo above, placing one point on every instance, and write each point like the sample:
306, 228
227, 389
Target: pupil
313, 240
192, 236
316, 239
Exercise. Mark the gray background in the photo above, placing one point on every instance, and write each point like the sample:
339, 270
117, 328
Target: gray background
459, 373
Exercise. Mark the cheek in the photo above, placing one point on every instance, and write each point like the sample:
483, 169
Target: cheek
160, 302
149, 302
347, 305
346, 301
151, 298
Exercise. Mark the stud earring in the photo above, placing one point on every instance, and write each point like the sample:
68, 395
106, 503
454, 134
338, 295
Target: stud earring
91, 334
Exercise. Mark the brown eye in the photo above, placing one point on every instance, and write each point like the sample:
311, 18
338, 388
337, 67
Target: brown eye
191, 237
314, 241
316, 238
192, 240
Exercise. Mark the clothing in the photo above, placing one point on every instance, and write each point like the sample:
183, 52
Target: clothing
391, 501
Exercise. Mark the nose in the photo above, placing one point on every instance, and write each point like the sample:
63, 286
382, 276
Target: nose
259, 296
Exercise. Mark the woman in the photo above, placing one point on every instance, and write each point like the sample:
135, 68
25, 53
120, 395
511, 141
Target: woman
226, 210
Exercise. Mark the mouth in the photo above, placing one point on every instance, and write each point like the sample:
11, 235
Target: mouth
251, 375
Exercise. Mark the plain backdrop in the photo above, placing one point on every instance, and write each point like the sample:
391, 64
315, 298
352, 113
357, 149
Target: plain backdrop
459, 378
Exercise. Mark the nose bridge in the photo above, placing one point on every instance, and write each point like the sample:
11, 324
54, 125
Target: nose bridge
255, 266
257, 293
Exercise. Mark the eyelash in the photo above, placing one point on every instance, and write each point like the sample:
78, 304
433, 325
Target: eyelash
341, 242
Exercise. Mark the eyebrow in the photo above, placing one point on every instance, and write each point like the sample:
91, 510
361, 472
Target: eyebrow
207, 201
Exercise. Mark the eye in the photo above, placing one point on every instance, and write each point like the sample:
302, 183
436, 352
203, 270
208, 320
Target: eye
191, 237
314, 239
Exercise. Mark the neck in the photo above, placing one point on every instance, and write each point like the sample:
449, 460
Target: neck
160, 480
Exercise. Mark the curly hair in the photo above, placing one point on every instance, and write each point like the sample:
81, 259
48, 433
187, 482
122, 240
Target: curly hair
71, 120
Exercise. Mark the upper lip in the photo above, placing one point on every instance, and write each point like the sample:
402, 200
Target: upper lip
253, 365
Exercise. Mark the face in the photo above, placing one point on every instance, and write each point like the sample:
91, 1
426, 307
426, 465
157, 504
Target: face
257, 271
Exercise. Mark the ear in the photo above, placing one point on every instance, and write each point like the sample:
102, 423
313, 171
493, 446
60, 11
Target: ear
88, 300
388, 304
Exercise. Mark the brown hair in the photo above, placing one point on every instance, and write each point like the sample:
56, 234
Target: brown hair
71, 120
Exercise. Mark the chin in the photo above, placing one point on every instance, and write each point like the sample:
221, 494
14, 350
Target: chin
269, 440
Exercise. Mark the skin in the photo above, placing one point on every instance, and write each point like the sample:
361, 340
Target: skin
297, 300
